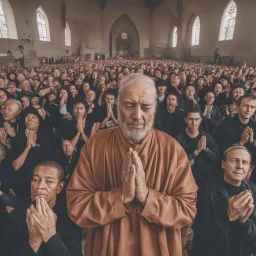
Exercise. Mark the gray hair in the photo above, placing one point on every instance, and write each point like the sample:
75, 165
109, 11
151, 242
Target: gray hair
236, 146
133, 78
19, 104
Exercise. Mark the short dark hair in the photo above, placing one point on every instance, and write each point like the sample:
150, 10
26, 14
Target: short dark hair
192, 108
110, 91
251, 97
217, 82
161, 82
82, 101
167, 95
55, 165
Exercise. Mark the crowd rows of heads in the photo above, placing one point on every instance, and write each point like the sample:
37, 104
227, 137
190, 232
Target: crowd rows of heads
86, 82
49, 82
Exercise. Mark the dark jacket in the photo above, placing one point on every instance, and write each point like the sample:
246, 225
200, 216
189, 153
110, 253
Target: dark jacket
212, 227
67, 241
230, 131
205, 165
210, 125
171, 123
184, 102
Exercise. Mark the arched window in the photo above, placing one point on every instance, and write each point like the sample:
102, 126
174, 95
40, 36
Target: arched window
67, 35
7, 21
43, 25
174, 37
228, 22
3, 26
196, 31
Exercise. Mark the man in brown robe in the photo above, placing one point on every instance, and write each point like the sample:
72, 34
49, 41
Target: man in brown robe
133, 188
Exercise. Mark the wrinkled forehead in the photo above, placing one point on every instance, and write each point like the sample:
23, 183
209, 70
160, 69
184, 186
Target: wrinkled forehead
46, 172
140, 91
238, 154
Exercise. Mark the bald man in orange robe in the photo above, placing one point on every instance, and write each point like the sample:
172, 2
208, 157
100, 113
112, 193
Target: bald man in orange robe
133, 188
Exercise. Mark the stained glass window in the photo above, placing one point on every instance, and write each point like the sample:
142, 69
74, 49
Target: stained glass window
196, 31
174, 37
228, 22
42, 25
3, 26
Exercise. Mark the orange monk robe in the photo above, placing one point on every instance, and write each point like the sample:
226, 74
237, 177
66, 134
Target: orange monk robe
114, 229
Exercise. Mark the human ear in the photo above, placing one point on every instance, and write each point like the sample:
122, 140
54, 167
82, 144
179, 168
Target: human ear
223, 164
60, 187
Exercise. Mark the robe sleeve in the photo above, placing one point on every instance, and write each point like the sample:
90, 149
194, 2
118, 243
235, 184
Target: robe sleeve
88, 206
178, 208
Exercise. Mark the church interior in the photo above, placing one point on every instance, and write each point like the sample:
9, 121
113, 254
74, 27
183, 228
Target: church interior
91, 29
127, 128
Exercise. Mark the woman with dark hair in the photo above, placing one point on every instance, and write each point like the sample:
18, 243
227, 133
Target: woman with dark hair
78, 130
93, 78
65, 101
200, 87
4, 96
32, 145
84, 88
73, 91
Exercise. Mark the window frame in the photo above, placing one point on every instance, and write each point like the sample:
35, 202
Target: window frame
194, 31
175, 37
222, 36
47, 27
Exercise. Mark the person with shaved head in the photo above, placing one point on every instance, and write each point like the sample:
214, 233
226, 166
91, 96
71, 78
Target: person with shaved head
133, 189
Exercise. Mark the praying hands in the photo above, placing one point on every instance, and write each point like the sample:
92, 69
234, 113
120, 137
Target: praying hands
133, 179
41, 221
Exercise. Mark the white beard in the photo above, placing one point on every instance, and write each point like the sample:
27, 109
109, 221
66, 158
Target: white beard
135, 135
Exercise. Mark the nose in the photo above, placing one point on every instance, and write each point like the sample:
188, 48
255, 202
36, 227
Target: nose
137, 114
239, 164
41, 184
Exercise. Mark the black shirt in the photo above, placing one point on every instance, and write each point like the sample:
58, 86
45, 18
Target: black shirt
171, 123
44, 150
68, 130
101, 114
191, 142
233, 237
67, 241
230, 131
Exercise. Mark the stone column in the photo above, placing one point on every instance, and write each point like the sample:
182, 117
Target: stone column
180, 45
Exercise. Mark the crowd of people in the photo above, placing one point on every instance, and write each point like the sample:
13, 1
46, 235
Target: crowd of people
52, 112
